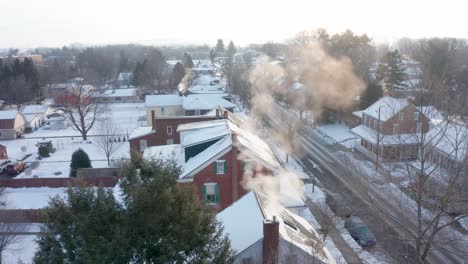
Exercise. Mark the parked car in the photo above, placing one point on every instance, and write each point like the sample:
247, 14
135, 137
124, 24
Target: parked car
360, 232
338, 205
15, 168
3, 165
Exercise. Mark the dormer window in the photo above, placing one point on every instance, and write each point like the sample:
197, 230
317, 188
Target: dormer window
416, 115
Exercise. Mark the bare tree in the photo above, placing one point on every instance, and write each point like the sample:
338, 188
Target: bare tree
327, 220
9, 231
82, 110
107, 140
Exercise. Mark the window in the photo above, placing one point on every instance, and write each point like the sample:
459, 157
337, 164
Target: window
416, 115
169, 130
197, 112
396, 128
401, 116
170, 141
247, 165
418, 127
220, 167
375, 124
364, 120
143, 145
163, 111
210, 193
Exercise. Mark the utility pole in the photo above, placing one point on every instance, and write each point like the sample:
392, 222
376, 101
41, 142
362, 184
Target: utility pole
378, 142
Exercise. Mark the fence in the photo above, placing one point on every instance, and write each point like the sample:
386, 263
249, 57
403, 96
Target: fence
104, 181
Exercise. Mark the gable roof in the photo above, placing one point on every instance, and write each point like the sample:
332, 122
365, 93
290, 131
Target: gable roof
34, 109
205, 102
163, 100
451, 139
8, 115
243, 223
389, 106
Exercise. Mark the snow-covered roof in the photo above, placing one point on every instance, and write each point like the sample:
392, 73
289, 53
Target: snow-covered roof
141, 131
371, 135
173, 62
243, 222
451, 139
198, 136
389, 106
206, 89
205, 102
432, 113
8, 115
173, 151
199, 132
163, 100
34, 109
206, 80
117, 93
358, 114
30, 117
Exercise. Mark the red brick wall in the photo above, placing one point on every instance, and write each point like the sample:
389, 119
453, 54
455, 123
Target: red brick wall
7, 123
226, 185
22, 215
408, 124
160, 137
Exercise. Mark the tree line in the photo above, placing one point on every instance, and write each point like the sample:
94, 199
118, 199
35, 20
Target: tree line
19, 80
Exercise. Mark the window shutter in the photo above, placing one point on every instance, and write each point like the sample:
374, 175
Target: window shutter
204, 194
217, 193
216, 167
225, 167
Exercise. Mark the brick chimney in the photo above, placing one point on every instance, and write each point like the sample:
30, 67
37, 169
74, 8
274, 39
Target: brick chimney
270, 241
226, 113
153, 120
217, 113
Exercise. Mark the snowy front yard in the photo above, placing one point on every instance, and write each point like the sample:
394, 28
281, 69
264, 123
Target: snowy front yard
338, 133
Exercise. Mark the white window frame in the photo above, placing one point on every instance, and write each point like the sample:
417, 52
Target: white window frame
162, 110
396, 128
220, 164
197, 112
210, 187
418, 127
170, 141
401, 116
169, 130
143, 144
416, 115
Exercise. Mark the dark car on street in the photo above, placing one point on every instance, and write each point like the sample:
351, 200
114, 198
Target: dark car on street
360, 232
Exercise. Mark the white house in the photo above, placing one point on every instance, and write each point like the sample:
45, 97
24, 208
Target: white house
34, 115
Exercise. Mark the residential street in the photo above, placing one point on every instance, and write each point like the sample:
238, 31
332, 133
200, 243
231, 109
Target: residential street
369, 203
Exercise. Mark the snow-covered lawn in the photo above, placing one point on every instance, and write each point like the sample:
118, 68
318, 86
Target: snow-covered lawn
58, 164
22, 251
338, 133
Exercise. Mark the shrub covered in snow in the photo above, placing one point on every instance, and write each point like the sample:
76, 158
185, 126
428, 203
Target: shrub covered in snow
79, 160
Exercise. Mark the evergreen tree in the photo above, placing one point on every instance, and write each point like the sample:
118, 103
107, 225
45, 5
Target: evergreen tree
91, 227
178, 73
371, 95
79, 160
231, 50
219, 49
84, 228
391, 71
212, 55
188, 62
123, 62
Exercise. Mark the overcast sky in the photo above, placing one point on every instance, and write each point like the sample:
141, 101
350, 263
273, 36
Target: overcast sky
32, 23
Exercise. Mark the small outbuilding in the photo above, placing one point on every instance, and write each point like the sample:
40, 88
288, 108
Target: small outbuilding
12, 124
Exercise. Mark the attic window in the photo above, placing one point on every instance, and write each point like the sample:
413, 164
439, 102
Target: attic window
416, 115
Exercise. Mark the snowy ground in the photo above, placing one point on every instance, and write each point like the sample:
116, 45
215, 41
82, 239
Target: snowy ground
125, 118
338, 133
22, 251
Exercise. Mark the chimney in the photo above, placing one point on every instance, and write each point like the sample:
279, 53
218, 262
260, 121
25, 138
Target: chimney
153, 120
226, 113
270, 241
217, 113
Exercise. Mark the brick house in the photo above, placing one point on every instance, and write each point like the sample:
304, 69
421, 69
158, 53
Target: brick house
163, 130
259, 234
3, 152
214, 157
12, 124
393, 126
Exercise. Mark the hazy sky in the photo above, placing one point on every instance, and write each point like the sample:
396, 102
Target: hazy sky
31, 23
